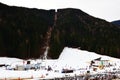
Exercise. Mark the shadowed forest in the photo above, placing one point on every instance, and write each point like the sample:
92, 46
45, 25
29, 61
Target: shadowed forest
25, 33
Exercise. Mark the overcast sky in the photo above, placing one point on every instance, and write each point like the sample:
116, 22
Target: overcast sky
105, 9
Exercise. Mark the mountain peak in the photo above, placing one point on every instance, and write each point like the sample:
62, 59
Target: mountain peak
117, 22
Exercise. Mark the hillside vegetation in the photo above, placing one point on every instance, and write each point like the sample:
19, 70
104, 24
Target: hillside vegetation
74, 28
25, 33
22, 31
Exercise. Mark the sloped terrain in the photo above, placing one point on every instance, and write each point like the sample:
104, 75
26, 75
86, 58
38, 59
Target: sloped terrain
22, 31
74, 28
116, 22
25, 33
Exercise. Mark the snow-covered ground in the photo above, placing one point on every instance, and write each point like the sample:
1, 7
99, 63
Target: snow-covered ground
6, 60
70, 58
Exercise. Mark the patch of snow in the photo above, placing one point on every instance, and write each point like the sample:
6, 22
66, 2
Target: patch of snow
70, 58
76, 58
9, 61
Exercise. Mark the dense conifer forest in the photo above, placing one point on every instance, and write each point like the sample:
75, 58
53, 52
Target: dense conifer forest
25, 33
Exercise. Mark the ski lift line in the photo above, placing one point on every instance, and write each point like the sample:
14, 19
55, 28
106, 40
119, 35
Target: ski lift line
48, 36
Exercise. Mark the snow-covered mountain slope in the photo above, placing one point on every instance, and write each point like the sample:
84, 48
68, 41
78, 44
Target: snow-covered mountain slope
81, 55
72, 57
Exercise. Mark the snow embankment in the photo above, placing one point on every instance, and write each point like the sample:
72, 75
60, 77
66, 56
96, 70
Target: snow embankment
76, 58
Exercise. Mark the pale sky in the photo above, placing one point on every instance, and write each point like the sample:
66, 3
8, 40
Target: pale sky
104, 9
